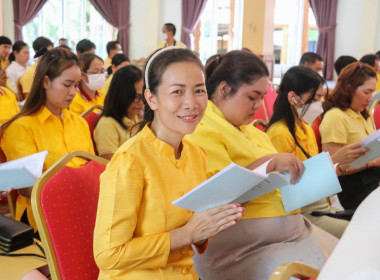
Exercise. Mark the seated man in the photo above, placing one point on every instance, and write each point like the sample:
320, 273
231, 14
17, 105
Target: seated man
168, 32
313, 61
85, 46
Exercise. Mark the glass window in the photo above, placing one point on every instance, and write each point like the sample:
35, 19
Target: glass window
71, 19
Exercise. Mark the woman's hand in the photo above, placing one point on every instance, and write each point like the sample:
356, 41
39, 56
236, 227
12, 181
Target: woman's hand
286, 162
349, 153
203, 225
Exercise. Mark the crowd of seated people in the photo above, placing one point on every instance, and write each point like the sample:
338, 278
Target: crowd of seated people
169, 127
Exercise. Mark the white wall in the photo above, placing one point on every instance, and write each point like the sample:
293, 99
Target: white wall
358, 30
171, 11
7, 17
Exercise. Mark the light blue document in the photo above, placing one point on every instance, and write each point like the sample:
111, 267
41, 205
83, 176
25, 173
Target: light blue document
232, 184
373, 143
22, 172
318, 181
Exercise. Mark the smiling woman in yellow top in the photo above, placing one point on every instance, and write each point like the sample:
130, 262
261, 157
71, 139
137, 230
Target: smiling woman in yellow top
266, 236
122, 109
44, 123
92, 80
139, 233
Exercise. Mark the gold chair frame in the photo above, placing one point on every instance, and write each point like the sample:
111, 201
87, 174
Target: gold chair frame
37, 209
91, 109
294, 269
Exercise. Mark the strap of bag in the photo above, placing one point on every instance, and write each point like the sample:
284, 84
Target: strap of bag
26, 255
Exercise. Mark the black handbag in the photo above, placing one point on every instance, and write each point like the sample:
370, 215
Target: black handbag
14, 235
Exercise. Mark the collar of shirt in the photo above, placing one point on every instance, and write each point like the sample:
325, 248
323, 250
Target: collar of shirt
85, 95
45, 113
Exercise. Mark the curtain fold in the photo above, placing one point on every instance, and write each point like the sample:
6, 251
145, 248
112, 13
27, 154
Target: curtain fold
325, 16
191, 12
116, 12
23, 12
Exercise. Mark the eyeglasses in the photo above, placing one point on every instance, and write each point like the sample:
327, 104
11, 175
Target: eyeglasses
138, 98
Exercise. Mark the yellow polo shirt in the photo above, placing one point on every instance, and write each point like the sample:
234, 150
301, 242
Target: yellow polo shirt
135, 210
284, 143
4, 63
8, 104
344, 127
107, 84
177, 44
44, 132
82, 101
26, 80
224, 143
109, 135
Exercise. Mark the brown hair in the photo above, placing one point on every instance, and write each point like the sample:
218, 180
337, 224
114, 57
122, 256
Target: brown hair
352, 76
52, 64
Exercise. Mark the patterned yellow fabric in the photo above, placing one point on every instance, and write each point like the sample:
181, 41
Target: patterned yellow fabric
284, 143
135, 210
109, 135
344, 127
224, 144
8, 104
44, 132
26, 80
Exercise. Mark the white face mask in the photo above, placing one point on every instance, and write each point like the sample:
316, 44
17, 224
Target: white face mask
314, 110
120, 51
320, 73
96, 81
164, 36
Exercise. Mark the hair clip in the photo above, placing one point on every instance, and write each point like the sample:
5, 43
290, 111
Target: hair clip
218, 58
360, 65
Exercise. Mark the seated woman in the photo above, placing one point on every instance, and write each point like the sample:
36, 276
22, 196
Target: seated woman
123, 107
19, 59
92, 80
347, 121
45, 124
118, 61
139, 233
297, 105
267, 235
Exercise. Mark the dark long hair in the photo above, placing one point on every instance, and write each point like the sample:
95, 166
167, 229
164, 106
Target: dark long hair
235, 68
17, 47
299, 79
121, 93
156, 70
352, 76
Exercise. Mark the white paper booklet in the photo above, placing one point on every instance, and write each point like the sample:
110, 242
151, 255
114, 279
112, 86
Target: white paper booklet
373, 143
22, 172
238, 184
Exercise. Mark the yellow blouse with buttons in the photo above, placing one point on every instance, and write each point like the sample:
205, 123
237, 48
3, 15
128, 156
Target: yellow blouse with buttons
135, 213
45, 132
224, 143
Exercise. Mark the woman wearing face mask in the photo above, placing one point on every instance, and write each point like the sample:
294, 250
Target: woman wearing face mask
92, 80
267, 235
346, 121
298, 105
123, 107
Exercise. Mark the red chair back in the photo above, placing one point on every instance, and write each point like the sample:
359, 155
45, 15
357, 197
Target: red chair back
91, 119
316, 125
69, 201
269, 100
376, 116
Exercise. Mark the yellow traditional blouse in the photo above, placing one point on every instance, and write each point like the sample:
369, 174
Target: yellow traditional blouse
135, 210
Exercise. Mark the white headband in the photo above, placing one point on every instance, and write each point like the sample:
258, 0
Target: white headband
152, 58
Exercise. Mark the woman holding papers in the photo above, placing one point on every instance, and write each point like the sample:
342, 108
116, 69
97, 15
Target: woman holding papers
266, 236
139, 233
347, 121
44, 123
297, 105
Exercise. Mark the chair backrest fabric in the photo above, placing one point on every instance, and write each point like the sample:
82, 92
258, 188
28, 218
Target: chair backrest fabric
91, 119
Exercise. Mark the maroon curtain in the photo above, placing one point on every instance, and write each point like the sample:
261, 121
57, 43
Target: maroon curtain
325, 16
191, 12
116, 12
23, 12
